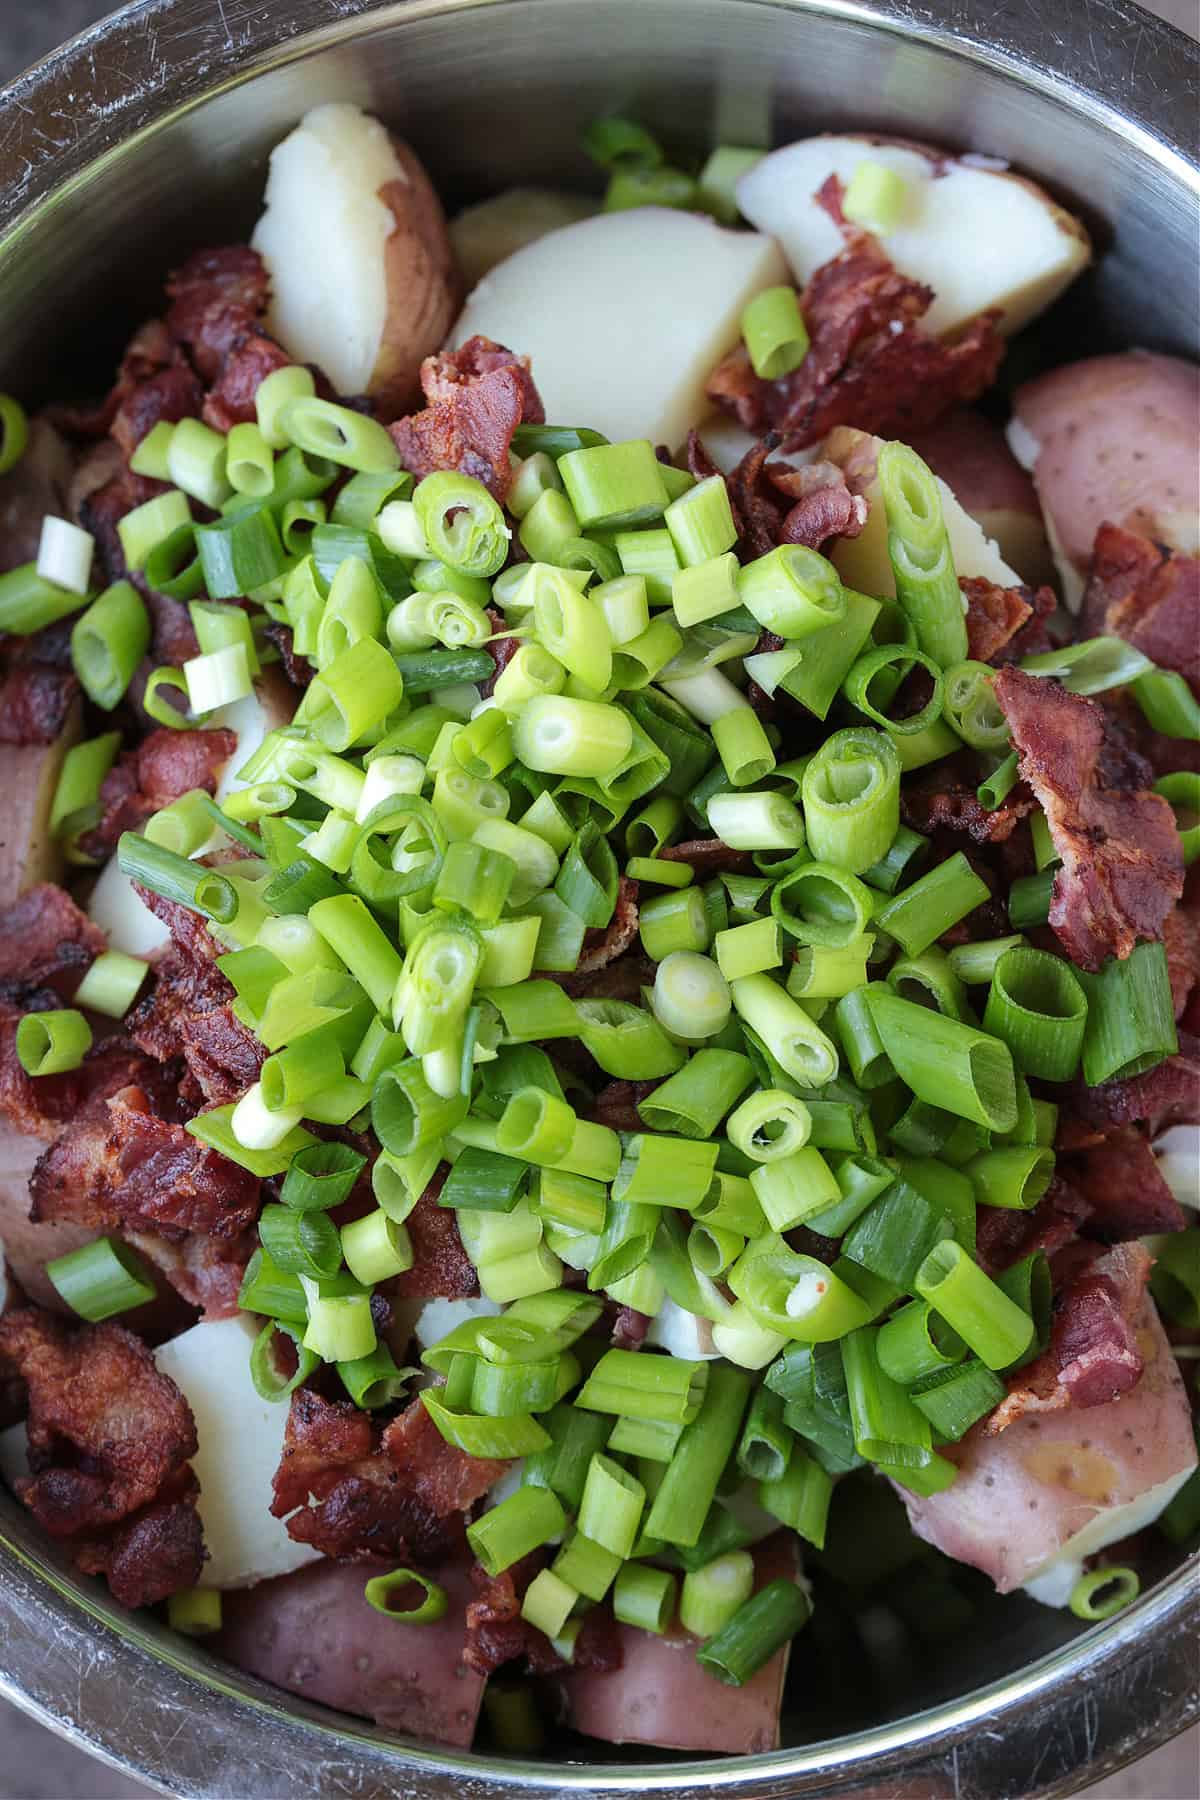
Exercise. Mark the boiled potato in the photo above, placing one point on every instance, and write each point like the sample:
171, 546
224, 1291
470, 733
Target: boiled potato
625, 316
863, 562
979, 237
28, 779
363, 281
970, 455
1112, 438
483, 235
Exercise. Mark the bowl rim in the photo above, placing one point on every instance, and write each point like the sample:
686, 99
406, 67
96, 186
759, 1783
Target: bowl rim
60, 1629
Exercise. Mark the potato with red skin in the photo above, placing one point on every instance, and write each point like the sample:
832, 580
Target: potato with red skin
970, 455
313, 1633
29, 1247
1024, 1496
1112, 438
662, 1696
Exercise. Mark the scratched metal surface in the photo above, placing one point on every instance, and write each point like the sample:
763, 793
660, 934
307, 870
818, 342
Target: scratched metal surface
119, 1687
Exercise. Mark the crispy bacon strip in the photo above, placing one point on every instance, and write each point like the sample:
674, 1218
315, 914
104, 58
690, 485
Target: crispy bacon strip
496, 1632
1093, 1354
441, 1268
1148, 595
708, 856
164, 766
1167, 1095
773, 503
154, 1553
215, 297
1004, 1237
945, 798
94, 1388
120, 1166
601, 947
1125, 1190
476, 397
353, 1492
869, 364
1122, 865
1181, 936
252, 356
35, 700
45, 941
995, 615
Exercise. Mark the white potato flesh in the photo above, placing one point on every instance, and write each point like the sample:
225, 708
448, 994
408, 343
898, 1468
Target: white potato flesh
863, 562
124, 918
241, 1441
324, 179
1031, 1502
979, 238
625, 316
483, 235
438, 1318
1112, 438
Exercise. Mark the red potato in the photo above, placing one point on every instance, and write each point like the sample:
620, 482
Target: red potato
28, 779
39, 484
660, 1695
1112, 438
313, 1633
363, 276
970, 455
1032, 1502
29, 1247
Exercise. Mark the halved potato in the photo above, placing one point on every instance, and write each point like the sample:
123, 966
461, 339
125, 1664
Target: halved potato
625, 316
29, 774
363, 280
970, 455
484, 234
979, 237
1112, 438
863, 562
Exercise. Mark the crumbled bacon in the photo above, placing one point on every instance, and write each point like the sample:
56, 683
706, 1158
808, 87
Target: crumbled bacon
1004, 1236
869, 363
120, 1166
94, 1389
45, 940
164, 766
34, 702
298, 669
1148, 595
223, 1057
189, 929
708, 856
997, 615
215, 297
1121, 1180
1093, 1354
164, 397
180, 986
501, 650
616, 1104
205, 1271
602, 946
252, 356
946, 798
774, 503
629, 1328
353, 1492
1181, 938
1122, 867
476, 397
496, 1632
154, 1553
40, 1105
1167, 1095
441, 1268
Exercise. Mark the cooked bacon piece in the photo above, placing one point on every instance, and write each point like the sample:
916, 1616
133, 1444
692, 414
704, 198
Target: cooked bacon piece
496, 1632
215, 297
34, 702
205, 1271
1004, 1236
45, 940
361, 1495
154, 1553
629, 1328
164, 766
623, 979
708, 856
501, 650
181, 986
224, 1058
825, 508
869, 364
250, 358
604, 946
441, 1268
1093, 1353
119, 1166
298, 669
164, 397
94, 1388
189, 929
616, 1105
774, 503
1122, 864
598, 1647
1148, 595
996, 614
476, 397
1181, 936
946, 798
1167, 1095
1125, 1190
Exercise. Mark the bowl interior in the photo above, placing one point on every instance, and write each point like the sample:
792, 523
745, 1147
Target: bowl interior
158, 132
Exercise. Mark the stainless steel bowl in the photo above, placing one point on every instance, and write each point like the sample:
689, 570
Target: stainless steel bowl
147, 136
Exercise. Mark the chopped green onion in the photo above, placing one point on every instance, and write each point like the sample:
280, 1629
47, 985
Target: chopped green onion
644, 1597
526, 1520
195, 1612
756, 1631
933, 903
101, 1279
958, 1398
1038, 1008
774, 332
338, 434
1131, 1018
919, 549
851, 792
682, 1503
1104, 1592
794, 1039
693, 1101
799, 1496
875, 197
108, 641
993, 1326
946, 1063
380, 1590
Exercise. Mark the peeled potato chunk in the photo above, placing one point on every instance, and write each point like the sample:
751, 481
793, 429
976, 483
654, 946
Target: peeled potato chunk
483, 235
625, 316
970, 455
979, 237
363, 279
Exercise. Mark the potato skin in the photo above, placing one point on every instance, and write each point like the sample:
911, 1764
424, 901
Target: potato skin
313, 1633
424, 289
973, 459
1115, 439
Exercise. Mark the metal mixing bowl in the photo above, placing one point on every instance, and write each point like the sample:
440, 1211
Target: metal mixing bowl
148, 136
